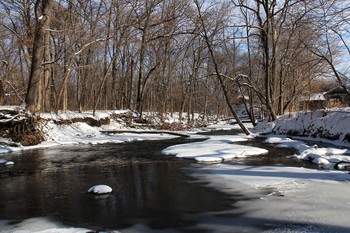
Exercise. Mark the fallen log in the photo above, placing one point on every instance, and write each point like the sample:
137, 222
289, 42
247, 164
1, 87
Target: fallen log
145, 132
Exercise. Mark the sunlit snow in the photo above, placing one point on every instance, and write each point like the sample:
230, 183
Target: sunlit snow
38, 225
215, 149
319, 155
100, 189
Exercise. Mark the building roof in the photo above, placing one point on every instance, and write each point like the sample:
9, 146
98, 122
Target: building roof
314, 97
336, 90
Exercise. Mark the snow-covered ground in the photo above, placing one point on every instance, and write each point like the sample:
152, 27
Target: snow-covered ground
300, 199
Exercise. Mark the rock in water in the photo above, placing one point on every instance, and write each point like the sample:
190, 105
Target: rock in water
100, 189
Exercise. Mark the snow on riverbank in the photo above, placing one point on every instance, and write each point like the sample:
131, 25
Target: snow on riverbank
325, 157
325, 126
85, 128
330, 124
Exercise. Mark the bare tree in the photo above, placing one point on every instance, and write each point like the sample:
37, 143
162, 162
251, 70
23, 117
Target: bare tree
162, 55
216, 67
331, 26
43, 18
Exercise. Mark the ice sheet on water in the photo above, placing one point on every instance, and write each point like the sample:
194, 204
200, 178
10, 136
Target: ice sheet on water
215, 149
304, 200
38, 225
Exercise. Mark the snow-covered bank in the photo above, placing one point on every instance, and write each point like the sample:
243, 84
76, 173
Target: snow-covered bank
86, 128
325, 157
330, 124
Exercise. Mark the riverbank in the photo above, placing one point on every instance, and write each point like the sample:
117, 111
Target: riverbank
331, 126
102, 127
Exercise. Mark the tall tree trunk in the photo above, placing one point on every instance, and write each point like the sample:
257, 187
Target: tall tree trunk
34, 93
46, 104
131, 84
267, 70
216, 68
265, 43
141, 74
62, 98
2, 93
78, 96
251, 111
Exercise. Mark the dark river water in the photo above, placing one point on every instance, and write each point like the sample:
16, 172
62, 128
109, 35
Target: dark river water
148, 188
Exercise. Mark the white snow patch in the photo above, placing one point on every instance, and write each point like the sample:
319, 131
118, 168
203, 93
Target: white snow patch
38, 225
9, 163
100, 189
318, 155
215, 149
263, 127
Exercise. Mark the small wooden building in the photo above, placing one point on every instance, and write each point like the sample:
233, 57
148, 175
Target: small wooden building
313, 101
337, 97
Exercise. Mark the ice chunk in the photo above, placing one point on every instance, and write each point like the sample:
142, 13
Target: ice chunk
100, 189
8, 163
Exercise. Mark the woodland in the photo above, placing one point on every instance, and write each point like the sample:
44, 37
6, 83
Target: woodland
194, 56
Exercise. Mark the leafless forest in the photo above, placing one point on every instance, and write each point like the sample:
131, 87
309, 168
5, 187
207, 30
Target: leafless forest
171, 55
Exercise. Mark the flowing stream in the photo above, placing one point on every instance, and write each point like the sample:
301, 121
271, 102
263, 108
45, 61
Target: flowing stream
148, 188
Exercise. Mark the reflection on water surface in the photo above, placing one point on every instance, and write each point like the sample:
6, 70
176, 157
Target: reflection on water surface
148, 188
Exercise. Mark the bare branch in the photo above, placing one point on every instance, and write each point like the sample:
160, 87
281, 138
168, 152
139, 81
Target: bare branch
15, 91
90, 43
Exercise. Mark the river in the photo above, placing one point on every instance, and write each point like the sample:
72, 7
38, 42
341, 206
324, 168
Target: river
148, 188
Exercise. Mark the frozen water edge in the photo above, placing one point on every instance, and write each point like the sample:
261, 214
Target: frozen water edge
38, 225
284, 199
301, 200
